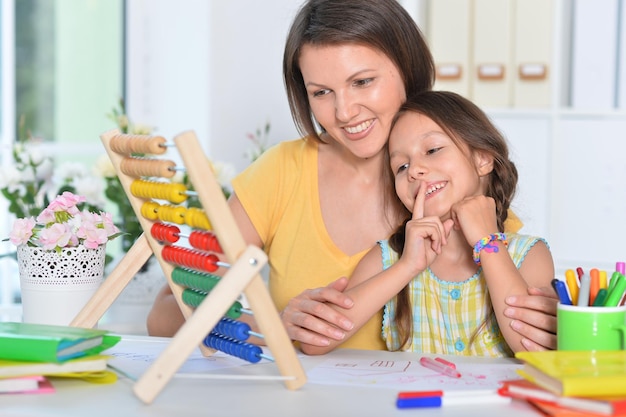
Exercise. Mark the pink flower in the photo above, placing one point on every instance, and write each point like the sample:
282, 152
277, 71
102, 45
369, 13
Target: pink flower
109, 226
59, 234
22, 231
62, 225
47, 216
66, 202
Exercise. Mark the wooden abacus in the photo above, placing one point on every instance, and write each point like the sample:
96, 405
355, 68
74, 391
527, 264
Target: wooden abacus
213, 297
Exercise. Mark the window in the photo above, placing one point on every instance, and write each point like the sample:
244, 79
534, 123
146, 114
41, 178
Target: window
61, 72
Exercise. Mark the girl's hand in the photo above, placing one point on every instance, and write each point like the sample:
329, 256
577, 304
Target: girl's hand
475, 217
424, 236
308, 319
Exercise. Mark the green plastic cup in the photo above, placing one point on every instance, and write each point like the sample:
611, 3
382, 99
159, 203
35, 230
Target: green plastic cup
591, 328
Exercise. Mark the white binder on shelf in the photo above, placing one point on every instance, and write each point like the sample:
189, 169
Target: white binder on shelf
532, 59
449, 37
492, 55
594, 54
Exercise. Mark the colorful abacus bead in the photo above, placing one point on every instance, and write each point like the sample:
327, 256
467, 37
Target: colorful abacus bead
232, 328
242, 350
190, 258
197, 219
175, 193
206, 241
165, 232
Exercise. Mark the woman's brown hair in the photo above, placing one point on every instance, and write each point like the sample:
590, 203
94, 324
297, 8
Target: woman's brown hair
381, 24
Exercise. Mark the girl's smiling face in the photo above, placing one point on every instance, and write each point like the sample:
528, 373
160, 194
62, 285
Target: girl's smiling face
354, 92
423, 155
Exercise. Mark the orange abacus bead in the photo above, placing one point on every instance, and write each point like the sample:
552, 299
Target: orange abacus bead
142, 144
145, 167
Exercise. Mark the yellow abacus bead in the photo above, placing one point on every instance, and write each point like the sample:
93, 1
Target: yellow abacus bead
173, 214
196, 218
150, 210
177, 193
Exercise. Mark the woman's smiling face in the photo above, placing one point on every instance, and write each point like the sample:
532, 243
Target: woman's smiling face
354, 92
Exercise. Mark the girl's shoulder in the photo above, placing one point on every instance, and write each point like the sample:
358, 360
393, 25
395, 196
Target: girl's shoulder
520, 244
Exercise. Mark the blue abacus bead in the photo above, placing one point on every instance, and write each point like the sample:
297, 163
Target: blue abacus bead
233, 328
243, 350
252, 353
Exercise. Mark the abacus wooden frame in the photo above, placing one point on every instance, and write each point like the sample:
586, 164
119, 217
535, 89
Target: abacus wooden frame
242, 277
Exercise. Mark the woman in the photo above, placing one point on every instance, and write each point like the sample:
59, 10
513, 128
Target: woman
317, 205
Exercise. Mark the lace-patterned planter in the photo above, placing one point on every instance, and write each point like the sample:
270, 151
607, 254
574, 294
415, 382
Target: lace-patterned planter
55, 287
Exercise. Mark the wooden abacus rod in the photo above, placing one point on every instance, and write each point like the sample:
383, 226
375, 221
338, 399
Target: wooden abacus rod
233, 244
195, 329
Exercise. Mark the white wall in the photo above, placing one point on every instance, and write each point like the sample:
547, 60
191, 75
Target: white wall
215, 67
211, 66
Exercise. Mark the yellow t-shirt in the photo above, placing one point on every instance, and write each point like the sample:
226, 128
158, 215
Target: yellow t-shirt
280, 194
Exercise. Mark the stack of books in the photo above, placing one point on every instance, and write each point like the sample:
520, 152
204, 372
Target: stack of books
572, 383
29, 353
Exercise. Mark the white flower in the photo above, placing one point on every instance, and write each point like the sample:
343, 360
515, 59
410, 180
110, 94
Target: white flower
44, 170
104, 167
91, 188
224, 173
138, 129
10, 177
34, 155
69, 171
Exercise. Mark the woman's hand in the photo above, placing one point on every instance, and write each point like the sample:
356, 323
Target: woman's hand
308, 319
534, 317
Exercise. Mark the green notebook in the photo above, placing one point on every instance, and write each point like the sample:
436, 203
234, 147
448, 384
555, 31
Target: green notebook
48, 343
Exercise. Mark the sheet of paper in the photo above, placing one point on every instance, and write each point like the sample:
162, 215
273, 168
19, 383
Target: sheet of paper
135, 358
409, 375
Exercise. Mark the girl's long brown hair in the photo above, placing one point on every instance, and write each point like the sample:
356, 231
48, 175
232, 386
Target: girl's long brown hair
466, 123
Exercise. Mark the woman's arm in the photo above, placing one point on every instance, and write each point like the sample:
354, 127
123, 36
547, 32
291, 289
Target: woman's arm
165, 318
533, 316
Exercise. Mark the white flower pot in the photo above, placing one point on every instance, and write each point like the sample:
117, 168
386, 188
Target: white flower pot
56, 286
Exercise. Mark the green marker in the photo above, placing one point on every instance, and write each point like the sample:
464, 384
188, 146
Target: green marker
600, 298
617, 291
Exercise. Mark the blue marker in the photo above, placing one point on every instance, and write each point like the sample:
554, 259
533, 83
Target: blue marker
561, 291
450, 400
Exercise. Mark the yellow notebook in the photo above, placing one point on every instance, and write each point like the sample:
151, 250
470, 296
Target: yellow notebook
571, 373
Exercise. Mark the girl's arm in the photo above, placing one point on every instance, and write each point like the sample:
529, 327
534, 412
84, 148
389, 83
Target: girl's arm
505, 280
476, 217
370, 288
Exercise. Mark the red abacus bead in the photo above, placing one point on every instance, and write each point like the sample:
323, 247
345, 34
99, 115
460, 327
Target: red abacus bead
165, 232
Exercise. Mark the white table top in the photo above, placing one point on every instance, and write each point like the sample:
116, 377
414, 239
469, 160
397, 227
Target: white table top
227, 397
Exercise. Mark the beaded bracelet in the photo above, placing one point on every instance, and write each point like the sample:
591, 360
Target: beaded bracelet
485, 244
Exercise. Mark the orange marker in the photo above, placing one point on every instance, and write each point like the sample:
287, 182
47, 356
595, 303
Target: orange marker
594, 285
572, 285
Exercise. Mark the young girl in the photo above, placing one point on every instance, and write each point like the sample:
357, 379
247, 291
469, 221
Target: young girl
447, 271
